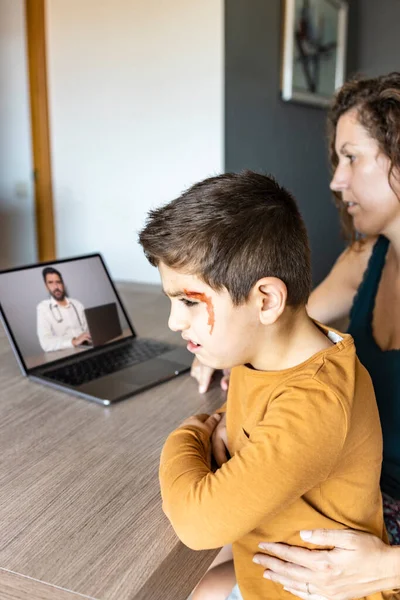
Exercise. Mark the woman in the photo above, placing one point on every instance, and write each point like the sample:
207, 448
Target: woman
364, 123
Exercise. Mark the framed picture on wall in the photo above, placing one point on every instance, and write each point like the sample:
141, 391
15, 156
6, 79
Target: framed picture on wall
314, 50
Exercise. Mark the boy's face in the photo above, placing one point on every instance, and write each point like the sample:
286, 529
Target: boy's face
220, 334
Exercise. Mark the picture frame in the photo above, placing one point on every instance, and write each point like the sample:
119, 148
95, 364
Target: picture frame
314, 50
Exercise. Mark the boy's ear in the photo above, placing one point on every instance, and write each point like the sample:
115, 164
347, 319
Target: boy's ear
270, 295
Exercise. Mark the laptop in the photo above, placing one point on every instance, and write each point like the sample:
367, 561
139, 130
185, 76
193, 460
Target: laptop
103, 323
69, 330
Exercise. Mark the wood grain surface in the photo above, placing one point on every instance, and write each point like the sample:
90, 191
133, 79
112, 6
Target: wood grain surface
17, 587
80, 506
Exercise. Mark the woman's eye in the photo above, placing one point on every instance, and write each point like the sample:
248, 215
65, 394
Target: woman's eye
350, 158
187, 302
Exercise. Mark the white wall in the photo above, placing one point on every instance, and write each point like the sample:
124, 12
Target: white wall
17, 225
136, 115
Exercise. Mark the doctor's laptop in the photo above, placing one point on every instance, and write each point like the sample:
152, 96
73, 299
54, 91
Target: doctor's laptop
69, 329
103, 323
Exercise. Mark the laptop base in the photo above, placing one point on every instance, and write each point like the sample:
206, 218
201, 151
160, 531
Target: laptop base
129, 381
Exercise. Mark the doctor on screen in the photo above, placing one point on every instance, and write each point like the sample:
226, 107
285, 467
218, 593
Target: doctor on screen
61, 321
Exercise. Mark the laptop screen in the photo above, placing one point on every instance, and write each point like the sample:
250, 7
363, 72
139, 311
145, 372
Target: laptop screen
59, 309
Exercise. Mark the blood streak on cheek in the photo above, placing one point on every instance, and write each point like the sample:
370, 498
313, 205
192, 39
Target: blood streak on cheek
208, 302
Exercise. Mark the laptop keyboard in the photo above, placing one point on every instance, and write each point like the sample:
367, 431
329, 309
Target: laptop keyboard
93, 367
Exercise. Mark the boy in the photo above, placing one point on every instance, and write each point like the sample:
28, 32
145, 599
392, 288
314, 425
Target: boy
303, 428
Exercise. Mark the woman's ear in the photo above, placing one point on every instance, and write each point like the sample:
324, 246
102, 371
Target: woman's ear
271, 296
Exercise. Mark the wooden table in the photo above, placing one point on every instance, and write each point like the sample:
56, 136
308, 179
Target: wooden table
80, 508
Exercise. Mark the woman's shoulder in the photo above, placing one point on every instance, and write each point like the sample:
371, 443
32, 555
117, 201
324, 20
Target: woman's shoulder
353, 261
332, 300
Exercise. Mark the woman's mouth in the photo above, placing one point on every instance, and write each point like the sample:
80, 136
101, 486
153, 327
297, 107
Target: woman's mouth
351, 206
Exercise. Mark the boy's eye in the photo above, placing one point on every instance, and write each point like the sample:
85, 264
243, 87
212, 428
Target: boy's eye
187, 302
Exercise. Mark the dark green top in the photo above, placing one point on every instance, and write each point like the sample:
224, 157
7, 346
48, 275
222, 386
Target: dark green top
383, 366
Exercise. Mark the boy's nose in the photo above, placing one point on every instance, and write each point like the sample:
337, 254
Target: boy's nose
177, 322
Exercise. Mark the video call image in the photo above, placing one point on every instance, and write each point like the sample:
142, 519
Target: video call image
60, 309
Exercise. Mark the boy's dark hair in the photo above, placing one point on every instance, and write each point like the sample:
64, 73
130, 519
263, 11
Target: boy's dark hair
51, 271
232, 230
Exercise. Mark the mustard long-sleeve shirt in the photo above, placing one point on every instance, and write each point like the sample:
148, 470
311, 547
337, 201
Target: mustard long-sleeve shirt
306, 450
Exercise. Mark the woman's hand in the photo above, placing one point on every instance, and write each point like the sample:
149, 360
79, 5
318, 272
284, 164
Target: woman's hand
204, 374
219, 442
359, 565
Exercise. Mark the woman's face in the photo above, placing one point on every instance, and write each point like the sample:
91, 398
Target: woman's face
362, 177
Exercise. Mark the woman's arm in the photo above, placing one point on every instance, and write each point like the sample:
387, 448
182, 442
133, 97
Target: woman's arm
359, 565
332, 299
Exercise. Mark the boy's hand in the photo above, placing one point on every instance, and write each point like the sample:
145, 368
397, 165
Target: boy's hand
204, 374
205, 423
219, 442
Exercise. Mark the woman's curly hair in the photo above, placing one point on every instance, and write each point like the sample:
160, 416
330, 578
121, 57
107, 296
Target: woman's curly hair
377, 102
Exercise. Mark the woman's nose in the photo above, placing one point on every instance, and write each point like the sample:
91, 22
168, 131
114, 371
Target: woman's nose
339, 180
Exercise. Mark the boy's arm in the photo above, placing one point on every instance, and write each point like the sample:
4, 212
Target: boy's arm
288, 453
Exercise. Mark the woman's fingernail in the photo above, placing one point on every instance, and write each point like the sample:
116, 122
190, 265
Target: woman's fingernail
263, 546
305, 535
255, 560
266, 575
202, 389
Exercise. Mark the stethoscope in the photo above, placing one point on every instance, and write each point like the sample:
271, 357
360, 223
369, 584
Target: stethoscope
59, 318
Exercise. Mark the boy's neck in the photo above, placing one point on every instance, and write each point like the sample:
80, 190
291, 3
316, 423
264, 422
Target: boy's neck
292, 340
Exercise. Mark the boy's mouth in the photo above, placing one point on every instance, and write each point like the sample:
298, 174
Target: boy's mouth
192, 346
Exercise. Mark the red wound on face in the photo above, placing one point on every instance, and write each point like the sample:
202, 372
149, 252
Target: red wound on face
208, 302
